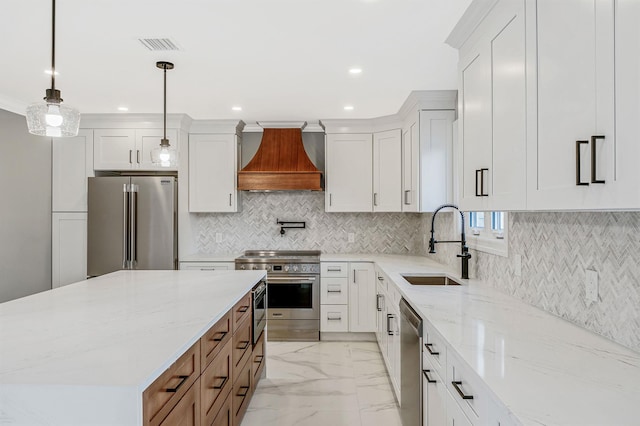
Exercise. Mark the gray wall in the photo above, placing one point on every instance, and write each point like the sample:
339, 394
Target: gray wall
556, 249
25, 209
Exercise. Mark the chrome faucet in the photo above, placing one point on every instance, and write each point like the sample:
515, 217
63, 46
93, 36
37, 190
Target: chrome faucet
464, 255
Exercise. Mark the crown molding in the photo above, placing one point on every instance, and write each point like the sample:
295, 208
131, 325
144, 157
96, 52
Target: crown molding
470, 20
134, 121
13, 105
306, 126
234, 126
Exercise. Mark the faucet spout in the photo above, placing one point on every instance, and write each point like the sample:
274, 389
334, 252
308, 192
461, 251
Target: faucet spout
464, 250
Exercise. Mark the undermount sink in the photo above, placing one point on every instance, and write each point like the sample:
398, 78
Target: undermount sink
429, 280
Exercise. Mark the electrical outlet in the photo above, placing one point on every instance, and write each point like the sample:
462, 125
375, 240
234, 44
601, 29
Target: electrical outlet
352, 237
517, 265
591, 286
218, 237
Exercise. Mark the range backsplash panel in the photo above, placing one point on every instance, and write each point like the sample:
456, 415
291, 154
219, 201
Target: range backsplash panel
556, 249
255, 228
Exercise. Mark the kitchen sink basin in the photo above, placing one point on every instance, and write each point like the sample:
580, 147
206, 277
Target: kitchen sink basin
429, 280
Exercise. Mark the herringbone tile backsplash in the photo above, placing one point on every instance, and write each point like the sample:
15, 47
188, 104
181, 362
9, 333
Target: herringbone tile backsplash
255, 227
556, 249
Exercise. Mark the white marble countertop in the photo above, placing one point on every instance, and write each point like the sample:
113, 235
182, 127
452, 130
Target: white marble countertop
545, 370
205, 257
83, 353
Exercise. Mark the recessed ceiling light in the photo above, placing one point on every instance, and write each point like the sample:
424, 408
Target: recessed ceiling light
123, 108
237, 108
355, 71
48, 72
348, 108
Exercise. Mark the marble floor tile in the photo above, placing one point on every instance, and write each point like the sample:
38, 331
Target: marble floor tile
323, 383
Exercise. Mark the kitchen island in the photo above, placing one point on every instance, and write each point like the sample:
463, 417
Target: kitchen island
83, 354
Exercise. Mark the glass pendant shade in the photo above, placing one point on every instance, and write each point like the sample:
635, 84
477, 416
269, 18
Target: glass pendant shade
52, 119
164, 156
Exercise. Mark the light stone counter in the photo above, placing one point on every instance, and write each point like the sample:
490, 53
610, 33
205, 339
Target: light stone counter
545, 370
83, 354
204, 257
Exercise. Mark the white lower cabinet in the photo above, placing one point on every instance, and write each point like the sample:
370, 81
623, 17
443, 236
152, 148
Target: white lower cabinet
352, 287
455, 415
388, 327
207, 266
434, 395
68, 248
334, 318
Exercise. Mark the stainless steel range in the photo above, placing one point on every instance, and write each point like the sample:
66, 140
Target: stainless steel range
293, 292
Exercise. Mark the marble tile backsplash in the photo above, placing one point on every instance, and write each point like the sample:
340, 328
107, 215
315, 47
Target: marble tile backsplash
556, 249
255, 227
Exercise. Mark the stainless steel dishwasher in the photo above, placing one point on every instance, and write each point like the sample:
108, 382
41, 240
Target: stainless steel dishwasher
410, 366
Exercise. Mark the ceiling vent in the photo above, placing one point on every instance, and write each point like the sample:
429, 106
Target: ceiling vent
158, 44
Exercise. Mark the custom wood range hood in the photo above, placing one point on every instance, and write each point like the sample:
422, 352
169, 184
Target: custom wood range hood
280, 164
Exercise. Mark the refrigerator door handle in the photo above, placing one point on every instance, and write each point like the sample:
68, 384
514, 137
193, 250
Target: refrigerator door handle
125, 227
133, 235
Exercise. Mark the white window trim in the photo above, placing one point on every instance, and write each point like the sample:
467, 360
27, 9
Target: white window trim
487, 240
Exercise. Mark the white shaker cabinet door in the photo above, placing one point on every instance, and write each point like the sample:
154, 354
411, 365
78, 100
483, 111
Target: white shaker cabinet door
114, 149
349, 174
147, 140
573, 44
387, 171
69, 248
72, 164
213, 167
410, 167
362, 297
436, 159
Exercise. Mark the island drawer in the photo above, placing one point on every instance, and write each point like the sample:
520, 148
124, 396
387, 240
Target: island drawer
187, 411
225, 416
164, 393
215, 339
216, 384
258, 358
241, 347
241, 394
241, 311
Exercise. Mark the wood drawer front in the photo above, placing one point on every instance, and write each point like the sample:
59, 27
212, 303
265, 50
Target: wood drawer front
225, 416
241, 311
187, 411
334, 269
334, 291
258, 360
165, 392
241, 393
216, 383
241, 347
215, 339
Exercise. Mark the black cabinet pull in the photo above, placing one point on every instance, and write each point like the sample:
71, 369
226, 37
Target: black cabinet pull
258, 361
462, 394
594, 160
221, 334
246, 391
182, 380
243, 309
389, 317
477, 192
432, 352
225, 379
246, 345
429, 379
482, 194
578, 181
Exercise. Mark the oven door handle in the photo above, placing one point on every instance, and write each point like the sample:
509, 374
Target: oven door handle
302, 280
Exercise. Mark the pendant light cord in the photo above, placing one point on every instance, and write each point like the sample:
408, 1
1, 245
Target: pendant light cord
165, 101
53, 47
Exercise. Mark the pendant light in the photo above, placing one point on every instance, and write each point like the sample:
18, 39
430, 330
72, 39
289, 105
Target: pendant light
51, 117
164, 155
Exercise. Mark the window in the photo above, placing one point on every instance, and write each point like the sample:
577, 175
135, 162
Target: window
487, 231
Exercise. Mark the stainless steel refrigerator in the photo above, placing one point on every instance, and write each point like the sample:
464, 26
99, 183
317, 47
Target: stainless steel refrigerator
132, 223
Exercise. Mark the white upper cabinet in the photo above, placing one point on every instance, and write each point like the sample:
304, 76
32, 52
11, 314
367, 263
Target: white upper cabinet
72, 164
492, 82
348, 177
410, 167
213, 169
127, 149
573, 153
387, 171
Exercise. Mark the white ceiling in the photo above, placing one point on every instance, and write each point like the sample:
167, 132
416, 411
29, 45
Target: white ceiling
278, 59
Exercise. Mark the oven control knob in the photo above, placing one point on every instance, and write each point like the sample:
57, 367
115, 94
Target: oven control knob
295, 269
255, 268
242, 267
286, 268
267, 267
304, 268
